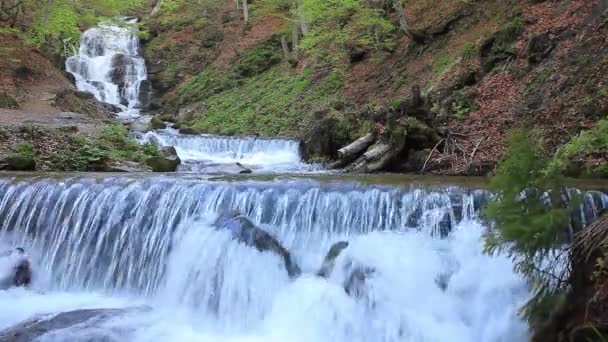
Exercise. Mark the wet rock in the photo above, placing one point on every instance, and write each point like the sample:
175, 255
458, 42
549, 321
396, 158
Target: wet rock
127, 166
56, 327
17, 162
166, 161
190, 131
145, 94
330, 258
111, 108
16, 269
6, 101
141, 125
157, 123
244, 170
246, 232
321, 141
355, 282
416, 159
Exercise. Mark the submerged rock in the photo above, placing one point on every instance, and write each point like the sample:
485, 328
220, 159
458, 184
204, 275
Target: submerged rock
57, 327
244, 170
15, 269
330, 258
246, 232
166, 161
355, 282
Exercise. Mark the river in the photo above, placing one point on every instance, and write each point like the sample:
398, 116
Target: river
149, 245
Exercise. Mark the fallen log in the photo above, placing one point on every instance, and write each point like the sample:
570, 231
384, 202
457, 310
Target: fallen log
357, 147
375, 153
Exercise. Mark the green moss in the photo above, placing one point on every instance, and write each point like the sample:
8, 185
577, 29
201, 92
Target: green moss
469, 51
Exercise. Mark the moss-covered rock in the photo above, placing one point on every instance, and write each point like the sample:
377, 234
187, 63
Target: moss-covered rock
330, 258
157, 123
166, 160
16, 162
7, 101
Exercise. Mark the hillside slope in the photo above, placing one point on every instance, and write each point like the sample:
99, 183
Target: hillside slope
484, 68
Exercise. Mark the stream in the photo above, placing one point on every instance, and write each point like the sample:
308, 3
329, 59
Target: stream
141, 257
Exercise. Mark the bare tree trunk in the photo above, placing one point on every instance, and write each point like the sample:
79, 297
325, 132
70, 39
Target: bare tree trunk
356, 147
303, 24
245, 11
416, 35
285, 47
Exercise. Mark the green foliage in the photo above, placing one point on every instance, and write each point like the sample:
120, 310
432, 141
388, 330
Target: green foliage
469, 51
25, 149
61, 20
276, 102
181, 13
212, 81
116, 143
338, 25
441, 63
530, 214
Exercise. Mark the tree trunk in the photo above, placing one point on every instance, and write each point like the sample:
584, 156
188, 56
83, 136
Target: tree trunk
415, 35
302, 21
357, 147
245, 11
285, 47
373, 160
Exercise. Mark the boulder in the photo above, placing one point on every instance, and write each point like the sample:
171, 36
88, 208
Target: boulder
17, 162
6, 101
330, 258
15, 269
57, 327
145, 94
244, 231
166, 161
190, 131
157, 123
355, 282
141, 125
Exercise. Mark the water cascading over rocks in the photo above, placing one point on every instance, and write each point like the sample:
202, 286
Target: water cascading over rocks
109, 65
413, 268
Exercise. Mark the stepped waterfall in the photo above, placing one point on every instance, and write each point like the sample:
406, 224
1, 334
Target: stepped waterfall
271, 258
149, 245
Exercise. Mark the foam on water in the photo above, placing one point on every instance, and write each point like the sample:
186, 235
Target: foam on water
212, 153
123, 242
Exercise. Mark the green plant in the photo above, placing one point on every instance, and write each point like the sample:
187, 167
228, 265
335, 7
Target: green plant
25, 149
469, 51
442, 63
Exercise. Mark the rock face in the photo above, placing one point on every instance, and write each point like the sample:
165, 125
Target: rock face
15, 269
56, 327
247, 233
330, 258
166, 161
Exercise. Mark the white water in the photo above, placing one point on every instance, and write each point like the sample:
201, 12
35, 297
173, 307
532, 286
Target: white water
93, 67
212, 153
126, 242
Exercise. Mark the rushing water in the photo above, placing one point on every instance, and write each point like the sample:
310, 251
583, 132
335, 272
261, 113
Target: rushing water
121, 242
212, 153
108, 64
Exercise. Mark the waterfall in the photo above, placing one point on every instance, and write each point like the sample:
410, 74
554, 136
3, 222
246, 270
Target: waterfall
210, 153
108, 64
123, 241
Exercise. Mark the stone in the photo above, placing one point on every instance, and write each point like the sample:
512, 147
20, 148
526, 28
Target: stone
330, 258
57, 327
157, 123
244, 231
190, 131
18, 270
86, 95
141, 125
166, 161
245, 170
17, 162
355, 282
540, 47
145, 94
127, 166
6, 101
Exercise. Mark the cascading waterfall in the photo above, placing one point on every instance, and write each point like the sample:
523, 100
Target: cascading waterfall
108, 64
122, 242
211, 153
